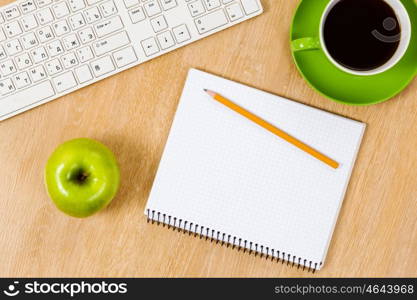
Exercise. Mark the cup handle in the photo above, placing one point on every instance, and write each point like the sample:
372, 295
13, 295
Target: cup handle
307, 43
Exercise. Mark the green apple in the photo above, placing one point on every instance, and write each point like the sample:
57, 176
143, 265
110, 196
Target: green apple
82, 177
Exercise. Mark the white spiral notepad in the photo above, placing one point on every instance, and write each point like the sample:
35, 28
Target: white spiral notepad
226, 178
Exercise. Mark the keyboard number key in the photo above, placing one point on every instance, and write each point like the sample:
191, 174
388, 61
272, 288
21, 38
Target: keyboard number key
125, 57
102, 66
150, 46
166, 40
152, 8
137, 15
181, 33
27, 6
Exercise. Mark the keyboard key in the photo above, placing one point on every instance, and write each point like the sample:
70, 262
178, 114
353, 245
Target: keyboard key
39, 55
2, 35
108, 26
64, 82
102, 66
250, 6
77, 21
152, 8
181, 33
159, 23
137, 15
108, 8
69, 60
26, 97
2, 53
70, 41
60, 10
55, 48
11, 13
111, 43
45, 34
85, 54
125, 57
29, 22
13, 47
92, 15
29, 41
166, 40
83, 74
6, 87
196, 8
42, 3
150, 46
61, 28
7, 67
212, 4
168, 4
37, 73
211, 21
23, 61
12, 29
76, 5
27, 6
45, 16
21, 80
131, 3
234, 12
53, 67
86, 35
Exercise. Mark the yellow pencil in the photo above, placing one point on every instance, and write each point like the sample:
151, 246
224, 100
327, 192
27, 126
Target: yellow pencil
273, 129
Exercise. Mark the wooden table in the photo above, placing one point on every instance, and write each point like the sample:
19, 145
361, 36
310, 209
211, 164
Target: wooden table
376, 234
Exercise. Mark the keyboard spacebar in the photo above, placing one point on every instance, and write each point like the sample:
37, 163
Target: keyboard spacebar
25, 98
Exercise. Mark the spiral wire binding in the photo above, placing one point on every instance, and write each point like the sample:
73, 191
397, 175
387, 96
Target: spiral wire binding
230, 241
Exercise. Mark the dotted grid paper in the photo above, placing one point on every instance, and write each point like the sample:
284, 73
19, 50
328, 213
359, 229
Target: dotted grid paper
224, 172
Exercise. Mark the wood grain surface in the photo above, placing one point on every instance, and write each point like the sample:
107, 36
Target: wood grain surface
376, 234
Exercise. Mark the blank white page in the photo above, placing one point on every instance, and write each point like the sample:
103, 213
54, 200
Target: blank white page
224, 176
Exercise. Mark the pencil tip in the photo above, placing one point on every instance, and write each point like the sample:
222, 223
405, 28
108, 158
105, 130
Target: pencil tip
206, 90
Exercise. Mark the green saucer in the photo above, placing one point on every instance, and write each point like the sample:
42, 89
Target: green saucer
346, 88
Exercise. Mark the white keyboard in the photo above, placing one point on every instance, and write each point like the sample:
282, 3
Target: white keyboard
49, 48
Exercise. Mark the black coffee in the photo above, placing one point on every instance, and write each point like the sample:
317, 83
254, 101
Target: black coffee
362, 34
